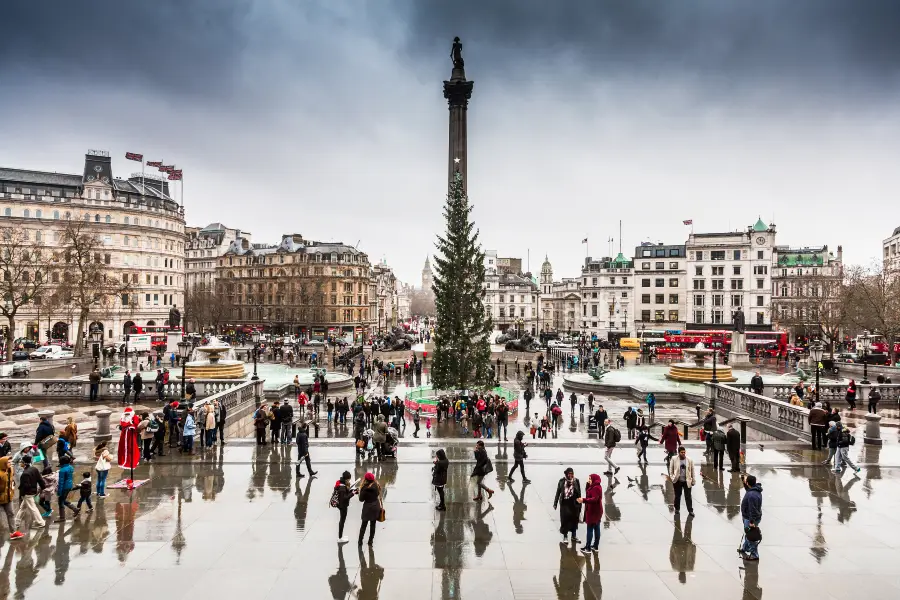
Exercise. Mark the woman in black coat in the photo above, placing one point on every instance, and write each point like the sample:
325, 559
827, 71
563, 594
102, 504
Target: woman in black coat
483, 466
519, 457
568, 490
370, 496
439, 475
344, 493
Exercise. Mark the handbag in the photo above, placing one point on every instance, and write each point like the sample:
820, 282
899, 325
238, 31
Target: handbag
48, 442
360, 444
753, 534
381, 515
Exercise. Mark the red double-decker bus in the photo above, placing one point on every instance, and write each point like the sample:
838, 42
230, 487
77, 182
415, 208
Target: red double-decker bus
157, 334
759, 343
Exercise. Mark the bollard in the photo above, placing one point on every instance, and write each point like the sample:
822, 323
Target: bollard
744, 421
873, 430
102, 434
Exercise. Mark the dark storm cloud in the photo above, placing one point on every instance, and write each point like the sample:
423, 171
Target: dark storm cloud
172, 46
804, 42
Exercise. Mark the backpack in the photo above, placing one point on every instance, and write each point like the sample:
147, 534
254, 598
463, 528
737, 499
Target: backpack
617, 435
335, 499
153, 426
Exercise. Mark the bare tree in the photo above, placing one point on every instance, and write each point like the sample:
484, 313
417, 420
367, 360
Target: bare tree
819, 308
26, 264
89, 283
422, 303
874, 302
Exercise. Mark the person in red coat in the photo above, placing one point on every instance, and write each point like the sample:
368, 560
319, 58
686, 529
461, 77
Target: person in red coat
593, 511
128, 450
671, 439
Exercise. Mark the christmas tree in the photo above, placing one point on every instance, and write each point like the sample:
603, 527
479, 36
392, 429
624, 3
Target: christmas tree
462, 351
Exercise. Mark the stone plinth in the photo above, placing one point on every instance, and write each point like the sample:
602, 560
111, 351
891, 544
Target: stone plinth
873, 430
738, 356
173, 338
102, 434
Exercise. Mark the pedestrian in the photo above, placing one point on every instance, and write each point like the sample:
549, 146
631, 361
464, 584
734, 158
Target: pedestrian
733, 445
94, 379
610, 439
64, 486
303, 450
70, 433
428, 427
601, 417
593, 512
488, 425
6, 496
590, 402
190, 390
631, 418
818, 424
137, 383
370, 496
845, 440
874, 398
190, 430
756, 384
651, 405
581, 405
273, 419
146, 436
43, 437
160, 388
641, 440
5, 447
126, 386
341, 495
519, 456
30, 483
573, 400
221, 416
851, 395
379, 437
528, 395
719, 441
158, 429
833, 436
84, 493
209, 418
439, 476
416, 416
709, 426
751, 515
104, 462
483, 466
568, 492
681, 473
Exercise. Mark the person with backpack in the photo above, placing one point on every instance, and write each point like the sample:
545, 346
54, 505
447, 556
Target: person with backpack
30, 483
158, 429
641, 441
845, 439
340, 499
611, 438
651, 405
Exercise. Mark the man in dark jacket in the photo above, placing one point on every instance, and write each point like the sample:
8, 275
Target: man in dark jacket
94, 379
528, 395
5, 448
601, 417
756, 384
30, 483
160, 387
286, 414
733, 445
45, 429
818, 423
631, 418
609, 440
303, 451
709, 427
751, 514
519, 457
220, 424
126, 386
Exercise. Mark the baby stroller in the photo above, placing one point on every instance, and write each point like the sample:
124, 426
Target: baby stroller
368, 449
391, 442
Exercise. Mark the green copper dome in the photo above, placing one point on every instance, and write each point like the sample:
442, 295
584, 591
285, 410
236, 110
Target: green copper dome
760, 226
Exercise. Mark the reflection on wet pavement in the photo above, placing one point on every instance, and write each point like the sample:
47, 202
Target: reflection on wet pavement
237, 523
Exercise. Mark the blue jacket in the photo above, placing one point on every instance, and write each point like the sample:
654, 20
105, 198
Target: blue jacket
65, 481
44, 429
751, 505
190, 427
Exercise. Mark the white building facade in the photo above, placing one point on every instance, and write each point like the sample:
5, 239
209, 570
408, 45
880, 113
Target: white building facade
660, 287
511, 298
607, 291
202, 249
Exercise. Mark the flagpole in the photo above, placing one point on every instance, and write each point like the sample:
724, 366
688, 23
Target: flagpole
142, 177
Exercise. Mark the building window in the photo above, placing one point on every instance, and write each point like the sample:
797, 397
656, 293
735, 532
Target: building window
717, 317
645, 253
674, 252
660, 298
660, 266
716, 255
673, 298
673, 282
645, 298
718, 300
593, 310
699, 284
660, 315
737, 269
760, 319
645, 266
624, 281
612, 281
737, 284
660, 252
760, 284
645, 315
624, 294
718, 271
645, 283
760, 270
699, 254
737, 255
698, 271
718, 284
759, 301
673, 265
673, 315
594, 281
26, 213
737, 301
699, 316
660, 283
759, 254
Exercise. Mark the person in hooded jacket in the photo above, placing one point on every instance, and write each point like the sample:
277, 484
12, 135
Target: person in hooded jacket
733, 445
344, 493
303, 450
483, 466
6, 497
593, 512
519, 457
751, 515
370, 496
439, 476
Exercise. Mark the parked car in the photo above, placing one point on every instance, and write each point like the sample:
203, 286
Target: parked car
845, 357
51, 352
25, 343
20, 355
315, 343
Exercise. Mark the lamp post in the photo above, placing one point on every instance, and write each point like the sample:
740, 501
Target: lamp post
866, 342
816, 351
126, 350
184, 351
96, 335
714, 379
255, 337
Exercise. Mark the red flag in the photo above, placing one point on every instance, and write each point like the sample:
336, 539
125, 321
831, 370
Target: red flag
133, 156
688, 221
154, 163
175, 172
173, 176
166, 168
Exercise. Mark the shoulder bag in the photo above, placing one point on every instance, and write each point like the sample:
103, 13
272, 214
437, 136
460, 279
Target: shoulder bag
382, 515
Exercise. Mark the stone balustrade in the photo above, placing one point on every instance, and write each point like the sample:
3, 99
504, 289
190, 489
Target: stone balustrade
828, 392
109, 389
772, 416
239, 400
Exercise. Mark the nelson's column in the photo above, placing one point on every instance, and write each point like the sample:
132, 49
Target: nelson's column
457, 91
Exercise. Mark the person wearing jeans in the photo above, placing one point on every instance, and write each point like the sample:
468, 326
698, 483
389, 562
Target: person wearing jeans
609, 438
681, 473
593, 512
751, 515
104, 461
483, 466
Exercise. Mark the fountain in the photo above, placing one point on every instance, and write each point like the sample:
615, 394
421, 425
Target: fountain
208, 362
698, 371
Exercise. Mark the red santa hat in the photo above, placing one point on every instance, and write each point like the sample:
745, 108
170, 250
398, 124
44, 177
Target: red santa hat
127, 416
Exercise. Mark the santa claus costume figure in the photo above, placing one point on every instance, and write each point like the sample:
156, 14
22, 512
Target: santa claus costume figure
129, 452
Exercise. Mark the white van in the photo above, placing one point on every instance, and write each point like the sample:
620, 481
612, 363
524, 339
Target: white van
51, 352
137, 343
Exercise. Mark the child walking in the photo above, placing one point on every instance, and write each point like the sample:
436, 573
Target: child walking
428, 427
84, 489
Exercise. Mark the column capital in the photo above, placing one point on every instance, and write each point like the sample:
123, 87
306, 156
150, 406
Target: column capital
458, 92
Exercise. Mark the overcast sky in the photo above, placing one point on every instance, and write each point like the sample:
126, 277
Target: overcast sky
326, 118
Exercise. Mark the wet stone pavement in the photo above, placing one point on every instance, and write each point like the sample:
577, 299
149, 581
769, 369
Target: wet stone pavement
235, 522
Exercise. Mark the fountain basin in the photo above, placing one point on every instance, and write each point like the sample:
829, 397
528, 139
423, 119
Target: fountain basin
220, 369
693, 373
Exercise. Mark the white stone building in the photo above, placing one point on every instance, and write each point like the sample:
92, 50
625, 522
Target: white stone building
660, 287
607, 290
805, 288
727, 272
891, 248
511, 298
141, 228
202, 249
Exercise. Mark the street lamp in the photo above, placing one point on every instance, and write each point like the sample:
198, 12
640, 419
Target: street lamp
255, 337
866, 342
96, 334
816, 351
714, 379
184, 351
